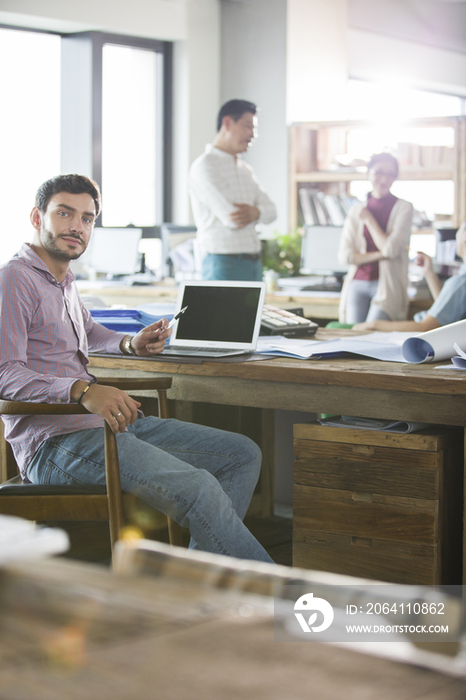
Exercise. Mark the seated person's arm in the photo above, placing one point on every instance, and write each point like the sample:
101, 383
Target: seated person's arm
432, 279
115, 406
427, 324
449, 307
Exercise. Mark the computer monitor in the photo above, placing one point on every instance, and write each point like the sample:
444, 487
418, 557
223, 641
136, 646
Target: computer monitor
319, 252
177, 236
113, 251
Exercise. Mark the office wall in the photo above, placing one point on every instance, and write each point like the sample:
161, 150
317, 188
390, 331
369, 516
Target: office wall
253, 67
417, 65
196, 96
440, 23
317, 71
419, 43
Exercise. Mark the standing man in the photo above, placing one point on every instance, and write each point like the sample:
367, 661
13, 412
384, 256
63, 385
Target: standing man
201, 477
227, 199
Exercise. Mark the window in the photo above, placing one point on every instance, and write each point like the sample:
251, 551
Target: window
120, 135
129, 136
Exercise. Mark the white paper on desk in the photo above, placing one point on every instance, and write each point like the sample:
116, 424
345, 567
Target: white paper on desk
378, 346
460, 360
435, 345
289, 347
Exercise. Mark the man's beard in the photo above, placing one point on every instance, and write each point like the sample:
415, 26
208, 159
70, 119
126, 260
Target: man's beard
48, 241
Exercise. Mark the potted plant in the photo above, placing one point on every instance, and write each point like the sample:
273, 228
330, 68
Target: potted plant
281, 254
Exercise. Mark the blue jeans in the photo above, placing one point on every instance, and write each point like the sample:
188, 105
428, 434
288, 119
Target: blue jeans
359, 305
231, 267
201, 477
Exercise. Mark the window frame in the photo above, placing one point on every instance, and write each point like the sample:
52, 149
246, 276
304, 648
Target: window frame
89, 74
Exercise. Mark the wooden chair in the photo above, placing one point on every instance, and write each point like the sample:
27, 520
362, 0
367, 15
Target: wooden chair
86, 503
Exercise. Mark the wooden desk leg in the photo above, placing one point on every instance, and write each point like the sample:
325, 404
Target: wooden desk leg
267, 480
463, 621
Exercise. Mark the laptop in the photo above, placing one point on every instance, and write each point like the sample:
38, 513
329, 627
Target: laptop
221, 319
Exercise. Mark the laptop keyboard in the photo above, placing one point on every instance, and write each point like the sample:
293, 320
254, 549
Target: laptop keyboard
189, 350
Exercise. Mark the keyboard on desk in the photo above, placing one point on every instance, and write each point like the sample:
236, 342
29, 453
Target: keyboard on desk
336, 287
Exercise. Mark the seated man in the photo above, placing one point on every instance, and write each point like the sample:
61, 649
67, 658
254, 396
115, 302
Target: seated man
449, 300
201, 477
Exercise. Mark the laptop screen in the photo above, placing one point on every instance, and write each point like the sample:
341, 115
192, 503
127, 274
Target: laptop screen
219, 314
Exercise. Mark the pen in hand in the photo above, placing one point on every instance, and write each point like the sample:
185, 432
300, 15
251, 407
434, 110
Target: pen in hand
174, 319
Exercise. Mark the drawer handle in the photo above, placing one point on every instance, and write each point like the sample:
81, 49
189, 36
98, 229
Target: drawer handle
364, 449
361, 541
362, 496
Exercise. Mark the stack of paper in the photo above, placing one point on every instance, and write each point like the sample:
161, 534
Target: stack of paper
415, 348
390, 426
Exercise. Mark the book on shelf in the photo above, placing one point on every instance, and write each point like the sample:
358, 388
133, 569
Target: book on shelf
415, 156
336, 215
321, 209
307, 207
322, 212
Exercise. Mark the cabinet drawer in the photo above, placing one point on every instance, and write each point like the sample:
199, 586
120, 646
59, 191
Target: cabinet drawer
365, 515
379, 505
366, 558
398, 472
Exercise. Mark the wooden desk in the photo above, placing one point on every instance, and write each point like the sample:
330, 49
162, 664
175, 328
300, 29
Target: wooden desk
348, 386
351, 386
77, 631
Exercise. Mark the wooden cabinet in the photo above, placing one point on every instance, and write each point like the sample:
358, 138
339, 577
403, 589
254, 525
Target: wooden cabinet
379, 505
315, 146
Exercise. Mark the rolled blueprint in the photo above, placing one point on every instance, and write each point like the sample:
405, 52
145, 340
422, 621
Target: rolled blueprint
435, 345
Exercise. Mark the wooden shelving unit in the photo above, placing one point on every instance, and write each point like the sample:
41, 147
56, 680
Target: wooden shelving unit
314, 146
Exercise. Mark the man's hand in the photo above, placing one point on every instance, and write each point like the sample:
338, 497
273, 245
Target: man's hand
245, 214
113, 405
150, 340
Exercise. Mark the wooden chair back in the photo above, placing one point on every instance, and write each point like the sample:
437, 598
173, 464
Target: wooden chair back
50, 502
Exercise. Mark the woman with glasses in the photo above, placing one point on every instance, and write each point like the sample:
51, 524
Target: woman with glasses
374, 243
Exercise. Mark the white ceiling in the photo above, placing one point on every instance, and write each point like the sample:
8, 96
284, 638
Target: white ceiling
440, 23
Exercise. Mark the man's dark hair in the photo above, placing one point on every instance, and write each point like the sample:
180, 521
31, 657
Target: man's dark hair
381, 157
75, 184
235, 109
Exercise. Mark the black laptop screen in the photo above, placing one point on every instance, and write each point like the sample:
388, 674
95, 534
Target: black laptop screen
221, 314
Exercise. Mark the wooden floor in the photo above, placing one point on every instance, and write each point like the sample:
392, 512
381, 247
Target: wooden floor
274, 534
90, 542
